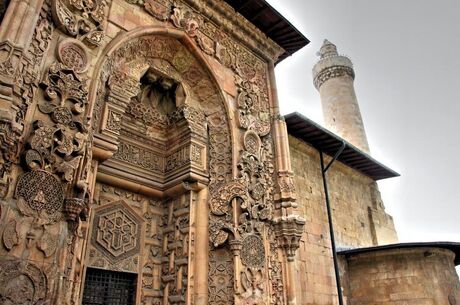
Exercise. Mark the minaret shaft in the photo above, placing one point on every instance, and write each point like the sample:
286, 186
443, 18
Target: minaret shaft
333, 77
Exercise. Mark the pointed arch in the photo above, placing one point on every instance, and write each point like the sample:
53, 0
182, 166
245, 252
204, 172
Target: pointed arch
116, 79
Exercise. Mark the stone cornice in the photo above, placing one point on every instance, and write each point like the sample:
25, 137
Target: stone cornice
224, 16
331, 67
332, 72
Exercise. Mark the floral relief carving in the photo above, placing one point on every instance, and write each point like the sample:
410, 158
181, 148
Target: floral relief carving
23, 68
159, 9
81, 19
185, 19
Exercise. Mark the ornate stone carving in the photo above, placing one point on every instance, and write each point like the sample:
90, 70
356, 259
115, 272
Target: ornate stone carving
9, 59
75, 207
22, 283
176, 241
116, 231
221, 277
252, 142
66, 95
10, 235
252, 251
73, 54
183, 18
81, 19
220, 200
21, 71
196, 154
289, 230
169, 57
40, 194
123, 85
140, 156
275, 271
158, 9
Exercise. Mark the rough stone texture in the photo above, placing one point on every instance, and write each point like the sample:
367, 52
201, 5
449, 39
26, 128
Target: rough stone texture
418, 276
352, 196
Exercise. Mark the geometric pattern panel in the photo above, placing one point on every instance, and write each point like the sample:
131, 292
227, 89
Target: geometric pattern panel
117, 231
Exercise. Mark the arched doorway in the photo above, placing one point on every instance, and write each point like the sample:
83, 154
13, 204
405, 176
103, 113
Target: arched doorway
162, 140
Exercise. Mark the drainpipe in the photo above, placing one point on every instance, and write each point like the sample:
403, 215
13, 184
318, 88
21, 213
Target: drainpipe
329, 218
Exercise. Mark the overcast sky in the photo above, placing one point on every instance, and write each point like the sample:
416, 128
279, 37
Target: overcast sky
406, 55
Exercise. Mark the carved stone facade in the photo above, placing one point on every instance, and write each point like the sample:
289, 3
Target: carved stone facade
123, 137
143, 138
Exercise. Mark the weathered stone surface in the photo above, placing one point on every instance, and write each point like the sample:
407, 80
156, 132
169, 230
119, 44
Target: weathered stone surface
403, 276
352, 197
144, 138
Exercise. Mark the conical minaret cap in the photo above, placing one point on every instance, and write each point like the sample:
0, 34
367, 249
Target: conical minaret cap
328, 49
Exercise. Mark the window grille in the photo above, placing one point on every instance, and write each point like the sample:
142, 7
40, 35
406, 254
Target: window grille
103, 287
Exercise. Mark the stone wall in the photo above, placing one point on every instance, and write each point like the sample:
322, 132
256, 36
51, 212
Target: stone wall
412, 276
355, 204
155, 98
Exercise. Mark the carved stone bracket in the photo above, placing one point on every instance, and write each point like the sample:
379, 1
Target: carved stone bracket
289, 230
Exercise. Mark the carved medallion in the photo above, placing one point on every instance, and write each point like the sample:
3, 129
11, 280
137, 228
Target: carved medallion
117, 231
252, 251
73, 54
41, 191
22, 283
252, 142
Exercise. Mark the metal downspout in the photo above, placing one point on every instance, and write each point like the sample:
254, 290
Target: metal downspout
329, 218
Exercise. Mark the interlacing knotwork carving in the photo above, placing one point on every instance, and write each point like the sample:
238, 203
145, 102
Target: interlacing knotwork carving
117, 231
42, 193
252, 251
176, 248
81, 19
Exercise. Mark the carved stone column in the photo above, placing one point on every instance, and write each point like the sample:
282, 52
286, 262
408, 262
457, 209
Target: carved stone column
288, 224
202, 249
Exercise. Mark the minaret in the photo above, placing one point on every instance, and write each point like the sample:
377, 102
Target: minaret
333, 77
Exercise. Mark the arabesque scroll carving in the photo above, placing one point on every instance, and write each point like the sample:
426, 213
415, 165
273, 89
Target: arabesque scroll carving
81, 19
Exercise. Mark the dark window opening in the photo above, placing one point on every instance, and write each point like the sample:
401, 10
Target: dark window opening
103, 287
3, 6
